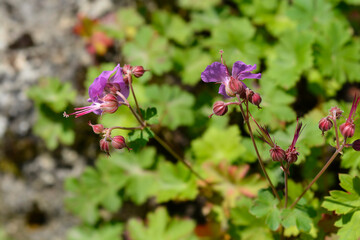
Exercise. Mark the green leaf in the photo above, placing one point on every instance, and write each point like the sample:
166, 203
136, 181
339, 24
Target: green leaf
344, 202
224, 144
176, 183
106, 232
192, 62
349, 226
148, 50
296, 217
172, 26
266, 206
275, 104
173, 104
338, 55
53, 93
53, 128
309, 14
233, 182
88, 192
161, 226
289, 59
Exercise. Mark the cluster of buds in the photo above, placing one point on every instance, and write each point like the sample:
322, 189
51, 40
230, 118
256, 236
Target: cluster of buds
117, 142
278, 154
347, 129
128, 71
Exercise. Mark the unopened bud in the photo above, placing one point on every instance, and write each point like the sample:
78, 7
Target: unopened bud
126, 69
97, 128
138, 71
220, 108
335, 112
277, 154
255, 99
104, 146
248, 93
291, 155
347, 129
325, 124
356, 145
118, 142
110, 103
234, 87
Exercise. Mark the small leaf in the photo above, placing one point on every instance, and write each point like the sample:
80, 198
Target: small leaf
296, 217
266, 206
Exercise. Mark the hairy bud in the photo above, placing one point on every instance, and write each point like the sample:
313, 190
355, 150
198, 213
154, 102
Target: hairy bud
291, 156
325, 124
220, 108
126, 69
277, 154
104, 146
335, 112
255, 99
118, 142
110, 103
138, 71
234, 87
347, 129
97, 128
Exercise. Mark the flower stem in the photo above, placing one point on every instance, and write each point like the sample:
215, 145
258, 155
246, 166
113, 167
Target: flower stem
256, 149
136, 102
336, 134
286, 187
126, 128
319, 174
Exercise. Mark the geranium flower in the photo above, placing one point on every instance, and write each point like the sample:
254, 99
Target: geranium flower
218, 73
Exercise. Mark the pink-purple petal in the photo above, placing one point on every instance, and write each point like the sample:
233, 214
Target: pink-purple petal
241, 71
222, 91
216, 72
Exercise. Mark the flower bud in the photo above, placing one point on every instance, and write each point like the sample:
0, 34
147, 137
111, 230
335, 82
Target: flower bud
277, 154
325, 124
220, 108
356, 145
255, 99
347, 129
110, 103
118, 142
291, 156
234, 87
138, 71
335, 112
248, 93
104, 146
126, 69
97, 128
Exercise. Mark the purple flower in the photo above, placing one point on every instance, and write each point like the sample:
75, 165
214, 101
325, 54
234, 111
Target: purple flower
104, 84
218, 73
106, 93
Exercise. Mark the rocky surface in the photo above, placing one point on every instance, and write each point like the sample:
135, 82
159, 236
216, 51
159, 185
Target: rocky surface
36, 40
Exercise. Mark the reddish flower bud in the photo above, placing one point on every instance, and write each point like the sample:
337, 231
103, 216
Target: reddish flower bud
104, 146
336, 112
248, 93
126, 69
277, 154
234, 87
255, 99
118, 142
110, 103
291, 156
347, 129
97, 128
356, 145
138, 71
325, 124
220, 108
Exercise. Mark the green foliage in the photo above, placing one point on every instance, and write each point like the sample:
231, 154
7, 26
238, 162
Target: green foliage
174, 106
51, 98
346, 204
161, 226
